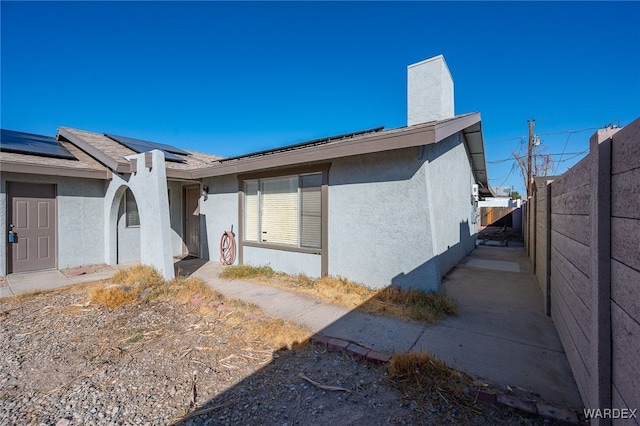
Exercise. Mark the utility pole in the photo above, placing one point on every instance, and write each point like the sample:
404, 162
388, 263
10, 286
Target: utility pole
529, 155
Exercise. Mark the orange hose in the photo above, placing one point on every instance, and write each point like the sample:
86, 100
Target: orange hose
227, 248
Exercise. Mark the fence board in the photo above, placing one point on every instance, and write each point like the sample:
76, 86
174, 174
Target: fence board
574, 251
574, 352
625, 194
576, 307
574, 178
625, 288
576, 227
575, 278
572, 202
625, 355
625, 151
625, 241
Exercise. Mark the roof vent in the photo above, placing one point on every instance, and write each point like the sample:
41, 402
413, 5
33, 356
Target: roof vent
429, 91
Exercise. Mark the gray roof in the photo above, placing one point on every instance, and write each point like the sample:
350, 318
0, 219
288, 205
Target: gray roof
112, 154
100, 154
85, 166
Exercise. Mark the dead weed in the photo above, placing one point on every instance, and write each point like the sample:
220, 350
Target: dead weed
429, 381
391, 301
145, 284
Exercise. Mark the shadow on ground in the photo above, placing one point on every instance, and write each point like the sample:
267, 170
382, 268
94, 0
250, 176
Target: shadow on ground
500, 335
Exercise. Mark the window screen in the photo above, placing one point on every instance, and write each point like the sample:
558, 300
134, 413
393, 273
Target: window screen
131, 210
251, 211
310, 210
279, 210
284, 210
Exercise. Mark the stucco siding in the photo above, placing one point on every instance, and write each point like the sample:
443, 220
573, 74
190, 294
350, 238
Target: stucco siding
449, 179
175, 217
4, 228
79, 218
286, 261
219, 213
128, 238
379, 225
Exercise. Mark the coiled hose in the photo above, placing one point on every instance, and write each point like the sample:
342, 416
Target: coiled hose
228, 247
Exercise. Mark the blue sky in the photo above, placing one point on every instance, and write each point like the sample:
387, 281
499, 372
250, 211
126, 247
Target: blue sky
231, 78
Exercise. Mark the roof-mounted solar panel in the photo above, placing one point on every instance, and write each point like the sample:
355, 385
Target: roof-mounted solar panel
32, 144
140, 146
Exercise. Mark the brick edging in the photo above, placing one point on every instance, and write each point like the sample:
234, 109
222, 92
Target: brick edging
541, 409
496, 398
352, 348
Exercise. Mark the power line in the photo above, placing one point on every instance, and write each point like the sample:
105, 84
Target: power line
543, 134
504, 140
563, 149
504, 160
510, 171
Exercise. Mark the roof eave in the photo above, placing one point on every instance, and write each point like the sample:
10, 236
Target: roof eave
376, 142
113, 164
51, 170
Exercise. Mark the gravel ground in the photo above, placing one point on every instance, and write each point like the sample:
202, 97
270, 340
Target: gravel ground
65, 361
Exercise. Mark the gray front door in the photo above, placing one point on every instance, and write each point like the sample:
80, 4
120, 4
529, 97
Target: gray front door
192, 220
33, 216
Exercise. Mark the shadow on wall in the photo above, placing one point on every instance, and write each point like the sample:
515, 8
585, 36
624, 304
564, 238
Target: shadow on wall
390, 166
204, 238
428, 276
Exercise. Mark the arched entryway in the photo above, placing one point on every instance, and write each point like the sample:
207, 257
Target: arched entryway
128, 229
137, 225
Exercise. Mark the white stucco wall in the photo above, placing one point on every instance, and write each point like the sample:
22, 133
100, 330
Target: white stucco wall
401, 217
128, 237
176, 208
3, 228
79, 218
286, 261
499, 202
429, 91
379, 230
149, 186
219, 213
449, 179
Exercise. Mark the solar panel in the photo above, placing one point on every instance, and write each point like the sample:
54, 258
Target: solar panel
29, 143
139, 146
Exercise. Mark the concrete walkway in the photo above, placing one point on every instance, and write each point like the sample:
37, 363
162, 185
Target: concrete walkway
500, 334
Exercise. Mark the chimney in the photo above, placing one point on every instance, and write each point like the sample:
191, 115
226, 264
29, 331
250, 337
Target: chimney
429, 91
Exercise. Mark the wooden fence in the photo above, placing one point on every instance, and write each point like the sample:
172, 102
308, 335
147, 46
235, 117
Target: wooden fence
582, 234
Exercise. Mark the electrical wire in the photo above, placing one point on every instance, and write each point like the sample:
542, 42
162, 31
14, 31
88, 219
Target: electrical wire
504, 160
555, 168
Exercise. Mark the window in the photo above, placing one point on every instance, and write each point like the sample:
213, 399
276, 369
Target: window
284, 210
131, 210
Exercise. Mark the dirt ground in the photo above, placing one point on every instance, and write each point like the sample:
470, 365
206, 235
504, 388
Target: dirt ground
65, 361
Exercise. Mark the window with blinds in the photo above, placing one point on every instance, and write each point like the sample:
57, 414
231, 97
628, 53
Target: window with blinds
131, 210
310, 210
251, 211
284, 210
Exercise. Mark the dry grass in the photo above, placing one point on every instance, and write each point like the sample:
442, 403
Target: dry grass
246, 271
425, 378
126, 286
144, 284
413, 304
391, 301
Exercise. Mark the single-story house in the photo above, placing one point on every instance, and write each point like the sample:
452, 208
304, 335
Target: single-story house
378, 206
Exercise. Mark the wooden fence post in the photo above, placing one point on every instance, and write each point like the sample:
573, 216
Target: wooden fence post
548, 251
600, 212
